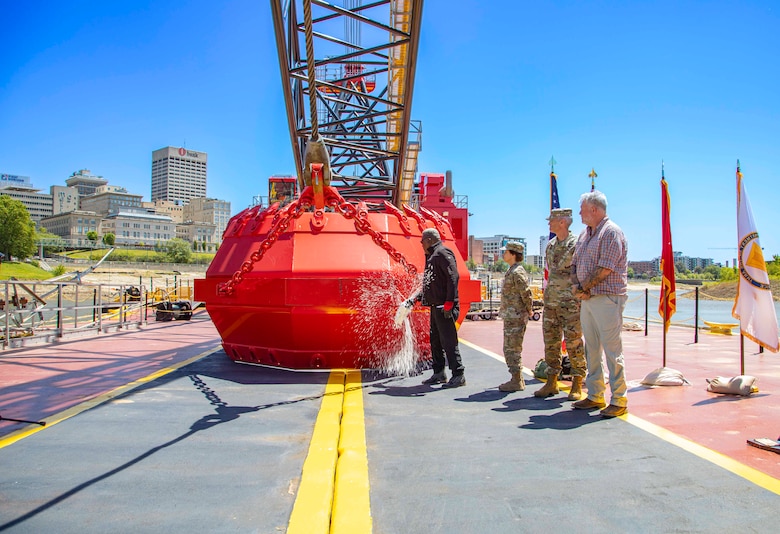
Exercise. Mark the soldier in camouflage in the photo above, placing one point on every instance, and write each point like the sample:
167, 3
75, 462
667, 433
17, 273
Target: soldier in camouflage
516, 308
561, 309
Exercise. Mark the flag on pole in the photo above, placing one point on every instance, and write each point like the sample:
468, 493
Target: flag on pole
555, 203
753, 306
668, 304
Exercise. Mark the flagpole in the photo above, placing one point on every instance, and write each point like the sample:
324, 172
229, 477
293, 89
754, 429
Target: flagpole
668, 290
741, 336
664, 358
741, 353
555, 203
663, 290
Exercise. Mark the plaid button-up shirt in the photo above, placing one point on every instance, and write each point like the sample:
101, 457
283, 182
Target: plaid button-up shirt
606, 247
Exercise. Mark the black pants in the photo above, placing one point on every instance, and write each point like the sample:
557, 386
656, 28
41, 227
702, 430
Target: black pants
444, 341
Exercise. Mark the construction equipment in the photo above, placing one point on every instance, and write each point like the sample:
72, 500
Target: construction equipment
314, 281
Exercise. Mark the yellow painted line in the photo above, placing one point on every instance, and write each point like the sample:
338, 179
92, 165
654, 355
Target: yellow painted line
313, 503
729, 464
100, 399
333, 496
351, 503
721, 460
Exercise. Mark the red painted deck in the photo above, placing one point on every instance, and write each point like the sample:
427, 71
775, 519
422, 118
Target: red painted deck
722, 423
40, 381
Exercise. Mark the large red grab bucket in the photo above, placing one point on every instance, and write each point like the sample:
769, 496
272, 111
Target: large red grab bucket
317, 289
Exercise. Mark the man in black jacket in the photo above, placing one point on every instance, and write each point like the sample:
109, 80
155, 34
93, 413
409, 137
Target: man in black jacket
440, 292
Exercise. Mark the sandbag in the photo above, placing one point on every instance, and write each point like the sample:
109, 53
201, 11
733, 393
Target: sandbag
665, 376
739, 385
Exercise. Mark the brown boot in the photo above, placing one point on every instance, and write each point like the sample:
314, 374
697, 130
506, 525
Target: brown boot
517, 383
575, 393
549, 389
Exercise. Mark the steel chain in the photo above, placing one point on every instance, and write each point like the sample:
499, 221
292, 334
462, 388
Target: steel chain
363, 226
280, 223
294, 210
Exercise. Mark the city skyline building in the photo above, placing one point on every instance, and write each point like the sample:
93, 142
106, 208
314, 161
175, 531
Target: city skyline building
491, 246
85, 182
73, 226
209, 210
535, 260
64, 199
178, 174
39, 205
137, 227
110, 199
175, 210
202, 235
475, 250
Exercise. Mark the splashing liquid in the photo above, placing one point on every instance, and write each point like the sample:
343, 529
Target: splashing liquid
395, 350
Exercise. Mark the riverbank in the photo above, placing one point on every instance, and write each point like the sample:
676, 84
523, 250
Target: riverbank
641, 285
128, 274
727, 291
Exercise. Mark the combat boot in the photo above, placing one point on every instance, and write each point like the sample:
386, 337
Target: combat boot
575, 393
549, 389
517, 383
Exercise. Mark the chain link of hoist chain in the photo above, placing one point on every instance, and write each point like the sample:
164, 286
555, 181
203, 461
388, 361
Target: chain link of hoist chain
363, 226
347, 210
279, 226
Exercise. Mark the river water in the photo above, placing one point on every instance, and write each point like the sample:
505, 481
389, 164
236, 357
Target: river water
718, 311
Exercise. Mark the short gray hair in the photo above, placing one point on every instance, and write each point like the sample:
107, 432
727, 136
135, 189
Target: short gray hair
431, 233
597, 198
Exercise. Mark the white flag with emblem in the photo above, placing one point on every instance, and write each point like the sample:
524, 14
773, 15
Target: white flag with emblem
753, 306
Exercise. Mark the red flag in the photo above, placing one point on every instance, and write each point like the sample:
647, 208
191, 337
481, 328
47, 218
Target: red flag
668, 304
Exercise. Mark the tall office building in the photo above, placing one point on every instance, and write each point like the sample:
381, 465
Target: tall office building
543, 240
178, 174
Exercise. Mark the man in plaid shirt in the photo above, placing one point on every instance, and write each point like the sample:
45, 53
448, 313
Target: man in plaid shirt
599, 277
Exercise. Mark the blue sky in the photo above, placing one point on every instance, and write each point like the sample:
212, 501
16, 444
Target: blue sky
501, 87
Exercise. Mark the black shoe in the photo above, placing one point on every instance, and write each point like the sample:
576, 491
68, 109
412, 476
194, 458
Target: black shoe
436, 378
456, 382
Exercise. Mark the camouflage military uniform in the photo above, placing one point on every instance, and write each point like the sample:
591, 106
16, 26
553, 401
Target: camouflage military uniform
562, 310
516, 307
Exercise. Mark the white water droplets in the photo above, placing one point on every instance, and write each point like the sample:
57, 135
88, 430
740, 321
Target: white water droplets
392, 350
